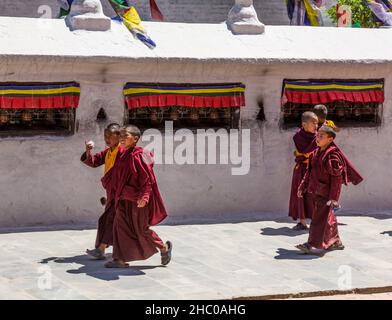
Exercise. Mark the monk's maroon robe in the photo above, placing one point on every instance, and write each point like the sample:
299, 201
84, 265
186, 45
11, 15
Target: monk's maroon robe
132, 237
328, 170
105, 222
301, 208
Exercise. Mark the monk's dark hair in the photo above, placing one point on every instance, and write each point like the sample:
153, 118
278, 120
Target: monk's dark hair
308, 115
114, 128
320, 110
329, 131
133, 130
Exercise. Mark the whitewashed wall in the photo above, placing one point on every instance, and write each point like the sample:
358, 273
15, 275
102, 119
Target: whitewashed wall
43, 182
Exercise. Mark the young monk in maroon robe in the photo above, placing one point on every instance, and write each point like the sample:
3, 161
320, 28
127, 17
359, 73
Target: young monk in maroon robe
329, 169
138, 206
321, 112
305, 143
108, 157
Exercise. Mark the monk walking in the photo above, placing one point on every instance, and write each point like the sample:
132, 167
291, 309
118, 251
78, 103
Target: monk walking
305, 143
108, 157
328, 170
138, 205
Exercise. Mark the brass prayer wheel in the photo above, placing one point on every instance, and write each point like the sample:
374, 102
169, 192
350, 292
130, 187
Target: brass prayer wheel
174, 115
226, 113
4, 118
340, 112
154, 116
194, 116
27, 116
50, 116
214, 115
357, 112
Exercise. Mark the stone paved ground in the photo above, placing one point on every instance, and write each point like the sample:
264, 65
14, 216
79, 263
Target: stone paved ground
212, 261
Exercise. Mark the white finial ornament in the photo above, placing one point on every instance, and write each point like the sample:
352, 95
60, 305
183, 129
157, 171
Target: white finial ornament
87, 15
243, 18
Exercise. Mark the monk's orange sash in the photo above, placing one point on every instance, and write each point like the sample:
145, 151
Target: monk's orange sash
305, 155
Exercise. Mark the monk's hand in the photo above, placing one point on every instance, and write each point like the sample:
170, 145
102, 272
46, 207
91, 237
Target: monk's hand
300, 194
89, 145
141, 203
333, 203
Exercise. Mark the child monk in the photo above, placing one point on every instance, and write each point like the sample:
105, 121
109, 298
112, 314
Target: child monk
108, 157
328, 170
138, 205
305, 143
321, 112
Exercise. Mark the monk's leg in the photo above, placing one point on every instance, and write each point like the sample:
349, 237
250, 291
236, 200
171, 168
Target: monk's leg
104, 237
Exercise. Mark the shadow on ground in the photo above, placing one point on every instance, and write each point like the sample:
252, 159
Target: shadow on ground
96, 268
285, 254
283, 231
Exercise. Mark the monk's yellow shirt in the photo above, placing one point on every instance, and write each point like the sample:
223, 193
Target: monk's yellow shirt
110, 159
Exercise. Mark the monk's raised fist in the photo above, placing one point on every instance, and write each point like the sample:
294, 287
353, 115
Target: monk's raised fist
89, 145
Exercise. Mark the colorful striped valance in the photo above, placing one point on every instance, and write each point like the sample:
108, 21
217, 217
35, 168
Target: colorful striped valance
138, 95
313, 92
39, 96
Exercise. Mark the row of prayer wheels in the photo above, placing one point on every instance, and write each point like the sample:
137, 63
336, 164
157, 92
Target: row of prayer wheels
339, 112
8, 116
175, 114
181, 115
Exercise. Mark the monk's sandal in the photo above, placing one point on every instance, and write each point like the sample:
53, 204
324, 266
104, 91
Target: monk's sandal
336, 246
96, 254
166, 256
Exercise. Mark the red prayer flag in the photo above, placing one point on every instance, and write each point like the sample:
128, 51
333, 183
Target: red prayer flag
156, 14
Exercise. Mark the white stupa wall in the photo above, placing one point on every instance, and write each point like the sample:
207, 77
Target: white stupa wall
43, 181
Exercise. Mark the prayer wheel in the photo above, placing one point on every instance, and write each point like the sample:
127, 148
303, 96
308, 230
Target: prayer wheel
348, 111
174, 115
27, 117
226, 113
340, 112
154, 117
50, 116
4, 118
194, 116
214, 115
357, 112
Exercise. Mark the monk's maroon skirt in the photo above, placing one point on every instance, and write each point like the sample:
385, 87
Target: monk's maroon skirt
323, 231
299, 208
133, 239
